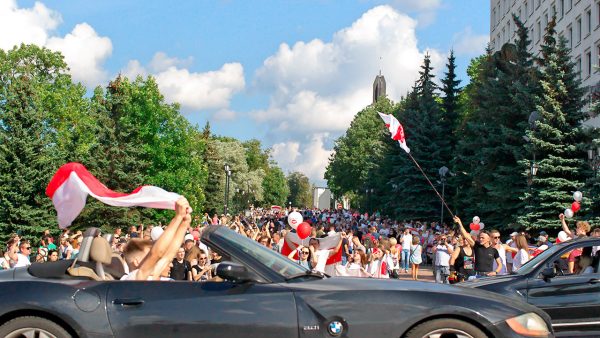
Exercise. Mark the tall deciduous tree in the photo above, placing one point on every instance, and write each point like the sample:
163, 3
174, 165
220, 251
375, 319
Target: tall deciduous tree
300, 190
275, 186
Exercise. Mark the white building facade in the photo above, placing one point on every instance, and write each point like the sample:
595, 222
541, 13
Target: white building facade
577, 20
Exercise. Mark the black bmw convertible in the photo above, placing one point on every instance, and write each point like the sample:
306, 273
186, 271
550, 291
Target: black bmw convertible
259, 293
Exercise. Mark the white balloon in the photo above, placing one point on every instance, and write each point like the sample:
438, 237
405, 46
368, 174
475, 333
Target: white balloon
578, 196
563, 236
294, 219
476, 220
156, 232
481, 226
568, 213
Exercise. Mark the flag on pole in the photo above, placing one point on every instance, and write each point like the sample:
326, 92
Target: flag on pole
395, 129
72, 183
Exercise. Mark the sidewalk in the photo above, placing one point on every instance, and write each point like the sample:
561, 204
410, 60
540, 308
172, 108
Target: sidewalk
425, 274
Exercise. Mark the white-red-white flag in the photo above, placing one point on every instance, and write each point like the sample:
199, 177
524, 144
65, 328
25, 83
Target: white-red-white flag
395, 129
72, 183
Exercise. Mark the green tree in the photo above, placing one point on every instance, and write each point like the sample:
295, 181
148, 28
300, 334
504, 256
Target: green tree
215, 185
256, 157
300, 190
421, 116
35, 88
558, 139
275, 186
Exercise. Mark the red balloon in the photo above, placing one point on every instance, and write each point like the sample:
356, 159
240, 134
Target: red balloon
575, 206
303, 230
475, 227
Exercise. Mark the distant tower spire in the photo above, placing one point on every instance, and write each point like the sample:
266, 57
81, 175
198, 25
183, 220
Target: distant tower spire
378, 84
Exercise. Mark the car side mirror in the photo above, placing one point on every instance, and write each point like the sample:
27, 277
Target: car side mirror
548, 273
233, 272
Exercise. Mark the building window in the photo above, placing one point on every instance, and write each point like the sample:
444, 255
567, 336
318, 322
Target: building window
539, 32
545, 22
508, 29
569, 5
598, 53
526, 10
578, 30
537, 3
494, 18
570, 36
598, 11
588, 63
578, 62
553, 10
562, 8
588, 17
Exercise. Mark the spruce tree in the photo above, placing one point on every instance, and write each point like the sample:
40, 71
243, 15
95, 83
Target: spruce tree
28, 155
421, 119
215, 186
558, 138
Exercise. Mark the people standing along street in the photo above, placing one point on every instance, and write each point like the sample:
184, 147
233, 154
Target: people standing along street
463, 260
406, 244
485, 253
442, 252
415, 257
522, 255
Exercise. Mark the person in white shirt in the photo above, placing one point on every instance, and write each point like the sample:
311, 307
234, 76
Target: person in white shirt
522, 255
442, 251
406, 243
23, 255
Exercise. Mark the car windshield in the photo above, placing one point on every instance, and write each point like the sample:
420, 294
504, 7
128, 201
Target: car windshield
272, 259
535, 262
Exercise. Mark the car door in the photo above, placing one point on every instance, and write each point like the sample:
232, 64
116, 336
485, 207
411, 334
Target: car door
572, 301
207, 309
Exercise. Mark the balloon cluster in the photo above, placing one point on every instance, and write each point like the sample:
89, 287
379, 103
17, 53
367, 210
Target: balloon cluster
303, 229
476, 225
575, 206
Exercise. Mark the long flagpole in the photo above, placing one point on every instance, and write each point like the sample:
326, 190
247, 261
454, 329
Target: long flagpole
431, 184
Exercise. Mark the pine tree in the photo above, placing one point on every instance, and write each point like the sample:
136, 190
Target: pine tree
558, 138
421, 117
215, 186
28, 155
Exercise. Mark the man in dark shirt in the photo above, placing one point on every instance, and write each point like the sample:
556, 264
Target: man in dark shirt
485, 254
182, 269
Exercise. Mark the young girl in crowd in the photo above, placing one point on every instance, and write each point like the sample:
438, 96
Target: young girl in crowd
522, 255
415, 257
304, 256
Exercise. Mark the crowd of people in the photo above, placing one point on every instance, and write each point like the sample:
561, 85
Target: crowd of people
342, 242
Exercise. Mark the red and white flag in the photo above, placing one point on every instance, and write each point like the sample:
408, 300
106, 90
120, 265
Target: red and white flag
327, 243
72, 183
395, 129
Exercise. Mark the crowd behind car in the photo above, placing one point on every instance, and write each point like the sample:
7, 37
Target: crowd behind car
372, 246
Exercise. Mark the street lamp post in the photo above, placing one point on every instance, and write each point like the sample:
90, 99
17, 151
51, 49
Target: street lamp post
594, 159
443, 171
227, 178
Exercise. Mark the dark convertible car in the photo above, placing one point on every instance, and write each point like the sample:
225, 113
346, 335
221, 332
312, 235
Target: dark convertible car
260, 293
571, 299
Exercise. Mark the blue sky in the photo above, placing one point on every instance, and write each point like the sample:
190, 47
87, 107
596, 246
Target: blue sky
289, 73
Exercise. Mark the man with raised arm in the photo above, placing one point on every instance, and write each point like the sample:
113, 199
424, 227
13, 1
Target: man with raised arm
485, 253
147, 259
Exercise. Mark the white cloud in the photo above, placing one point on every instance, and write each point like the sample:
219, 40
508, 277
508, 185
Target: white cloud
425, 10
225, 115
84, 51
193, 90
25, 25
317, 87
466, 43
307, 158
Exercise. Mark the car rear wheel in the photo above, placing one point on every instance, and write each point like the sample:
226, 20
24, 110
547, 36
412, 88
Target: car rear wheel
30, 327
445, 328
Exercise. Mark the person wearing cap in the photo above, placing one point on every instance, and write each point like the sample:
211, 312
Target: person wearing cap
192, 251
543, 239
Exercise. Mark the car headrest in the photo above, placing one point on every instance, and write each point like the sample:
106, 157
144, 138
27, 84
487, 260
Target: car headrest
100, 251
86, 244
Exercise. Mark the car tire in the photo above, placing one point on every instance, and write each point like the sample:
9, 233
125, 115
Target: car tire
34, 326
440, 327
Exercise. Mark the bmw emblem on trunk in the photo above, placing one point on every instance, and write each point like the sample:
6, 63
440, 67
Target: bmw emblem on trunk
335, 328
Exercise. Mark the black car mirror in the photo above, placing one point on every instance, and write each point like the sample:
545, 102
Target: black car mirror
548, 273
233, 272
